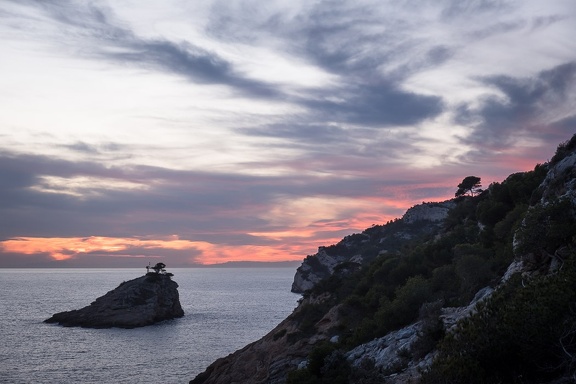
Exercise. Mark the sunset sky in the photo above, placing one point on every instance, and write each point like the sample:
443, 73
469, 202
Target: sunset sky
207, 131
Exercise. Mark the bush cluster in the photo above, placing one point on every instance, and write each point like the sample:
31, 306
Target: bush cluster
524, 333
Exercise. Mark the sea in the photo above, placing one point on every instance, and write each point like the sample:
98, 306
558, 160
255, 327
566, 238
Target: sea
225, 309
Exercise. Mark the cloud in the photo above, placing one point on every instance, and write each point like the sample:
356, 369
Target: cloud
93, 31
253, 131
220, 208
310, 133
370, 52
378, 105
522, 107
188, 60
83, 147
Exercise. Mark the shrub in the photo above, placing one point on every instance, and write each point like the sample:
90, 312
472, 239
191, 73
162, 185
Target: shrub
563, 150
524, 330
546, 228
326, 365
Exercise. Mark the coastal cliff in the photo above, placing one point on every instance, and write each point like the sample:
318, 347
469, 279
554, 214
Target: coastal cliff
476, 289
359, 249
136, 303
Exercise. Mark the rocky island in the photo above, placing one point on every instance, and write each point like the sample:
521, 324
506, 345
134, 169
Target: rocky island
136, 303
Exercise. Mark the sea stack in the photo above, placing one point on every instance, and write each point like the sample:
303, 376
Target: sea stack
136, 303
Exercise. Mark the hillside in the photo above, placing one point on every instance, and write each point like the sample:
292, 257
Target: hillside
477, 289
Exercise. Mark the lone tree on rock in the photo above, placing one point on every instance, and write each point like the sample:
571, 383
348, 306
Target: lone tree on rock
159, 267
471, 185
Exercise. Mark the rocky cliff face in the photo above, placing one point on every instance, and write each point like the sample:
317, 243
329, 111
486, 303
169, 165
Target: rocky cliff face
136, 303
560, 182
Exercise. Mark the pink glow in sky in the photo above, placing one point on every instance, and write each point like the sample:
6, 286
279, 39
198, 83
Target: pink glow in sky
215, 131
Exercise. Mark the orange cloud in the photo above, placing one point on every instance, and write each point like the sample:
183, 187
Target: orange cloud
68, 248
65, 248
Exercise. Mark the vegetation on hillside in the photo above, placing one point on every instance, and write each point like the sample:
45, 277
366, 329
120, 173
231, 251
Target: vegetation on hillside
523, 333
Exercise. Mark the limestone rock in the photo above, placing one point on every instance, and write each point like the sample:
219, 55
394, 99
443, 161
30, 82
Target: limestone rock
434, 212
388, 352
560, 181
314, 269
136, 303
452, 315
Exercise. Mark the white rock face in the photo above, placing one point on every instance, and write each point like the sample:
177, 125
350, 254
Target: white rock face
309, 274
387, 351
452, 315
304, 281
555, 184
517, 266
428, 212
392, 357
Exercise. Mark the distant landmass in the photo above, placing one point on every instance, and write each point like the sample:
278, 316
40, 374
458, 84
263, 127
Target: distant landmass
256, 264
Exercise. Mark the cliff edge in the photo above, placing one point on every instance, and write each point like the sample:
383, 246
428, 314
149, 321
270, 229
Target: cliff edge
136, 303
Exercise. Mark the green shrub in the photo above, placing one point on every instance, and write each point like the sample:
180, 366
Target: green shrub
524, 330
326, 365
546, 228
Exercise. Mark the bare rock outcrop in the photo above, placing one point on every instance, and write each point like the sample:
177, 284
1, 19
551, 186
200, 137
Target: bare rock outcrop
136, 303
434, 212
560, 181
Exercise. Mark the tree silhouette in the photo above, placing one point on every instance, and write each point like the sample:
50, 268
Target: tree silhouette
471, 185
159, 267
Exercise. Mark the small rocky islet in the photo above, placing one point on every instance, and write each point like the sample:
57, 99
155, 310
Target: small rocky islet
143, 301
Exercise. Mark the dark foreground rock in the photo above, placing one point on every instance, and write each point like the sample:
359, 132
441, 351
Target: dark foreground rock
136, 303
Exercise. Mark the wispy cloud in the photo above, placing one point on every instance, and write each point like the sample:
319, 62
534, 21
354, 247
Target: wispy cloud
524, 107
91, 30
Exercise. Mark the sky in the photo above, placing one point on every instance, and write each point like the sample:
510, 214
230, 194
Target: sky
209, 131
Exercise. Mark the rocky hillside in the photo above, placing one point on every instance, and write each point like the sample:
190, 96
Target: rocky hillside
360, 249
136, 303
478, 289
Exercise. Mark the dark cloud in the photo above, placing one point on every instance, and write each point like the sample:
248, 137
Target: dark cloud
545, 21
17, 260
192, 62
568, 125
311, 134
83, 147
500, 120
339, 38
332, 149
193, 205
354, 43
101, 35
497, 29
377, 105
462, 8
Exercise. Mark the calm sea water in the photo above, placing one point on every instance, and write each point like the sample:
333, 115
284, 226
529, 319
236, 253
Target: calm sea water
225, 309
